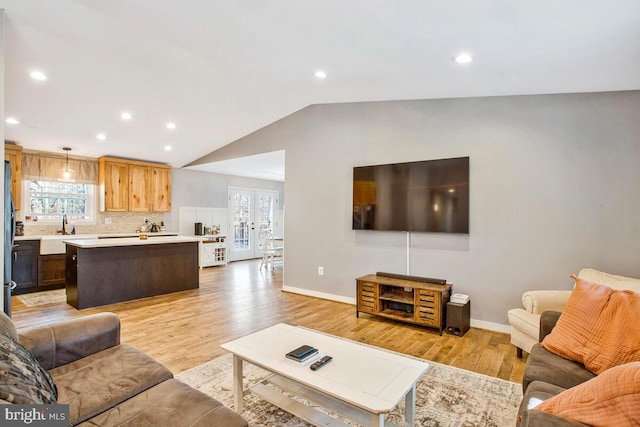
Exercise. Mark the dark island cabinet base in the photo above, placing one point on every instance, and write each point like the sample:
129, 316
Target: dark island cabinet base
106, 275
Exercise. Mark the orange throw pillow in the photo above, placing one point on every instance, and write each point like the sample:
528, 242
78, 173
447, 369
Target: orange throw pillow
610, 399
598, 327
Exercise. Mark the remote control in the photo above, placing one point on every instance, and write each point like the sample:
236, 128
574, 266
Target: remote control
320, 363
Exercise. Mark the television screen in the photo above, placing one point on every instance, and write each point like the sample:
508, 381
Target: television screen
429, 196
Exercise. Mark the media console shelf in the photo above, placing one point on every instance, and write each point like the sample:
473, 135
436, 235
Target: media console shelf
404, 300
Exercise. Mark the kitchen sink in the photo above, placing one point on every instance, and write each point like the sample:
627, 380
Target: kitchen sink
50, 245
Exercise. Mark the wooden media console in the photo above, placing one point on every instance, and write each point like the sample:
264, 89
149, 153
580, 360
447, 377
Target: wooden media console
404, 300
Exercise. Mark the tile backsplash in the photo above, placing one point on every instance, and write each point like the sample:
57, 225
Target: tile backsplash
121, 222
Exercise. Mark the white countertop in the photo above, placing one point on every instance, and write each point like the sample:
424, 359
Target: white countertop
129, 241
91, 236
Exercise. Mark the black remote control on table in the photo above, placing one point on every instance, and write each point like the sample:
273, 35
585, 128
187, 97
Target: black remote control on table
320, 363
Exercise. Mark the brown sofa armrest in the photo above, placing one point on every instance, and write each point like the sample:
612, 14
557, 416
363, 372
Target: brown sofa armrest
58, 344
548, 320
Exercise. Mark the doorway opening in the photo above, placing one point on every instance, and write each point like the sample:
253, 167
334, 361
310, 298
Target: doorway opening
250, 212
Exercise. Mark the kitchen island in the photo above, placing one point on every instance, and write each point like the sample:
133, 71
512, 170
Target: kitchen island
106, 271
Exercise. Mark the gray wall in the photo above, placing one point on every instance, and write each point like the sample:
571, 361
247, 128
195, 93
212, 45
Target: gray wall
209, 190
554, 188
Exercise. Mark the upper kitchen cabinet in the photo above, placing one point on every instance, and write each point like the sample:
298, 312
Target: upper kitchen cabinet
113, 178
13, 153
161, 189
150, 188
134, 186
139, 182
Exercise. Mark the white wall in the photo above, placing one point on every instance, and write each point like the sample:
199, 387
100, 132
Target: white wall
553, 182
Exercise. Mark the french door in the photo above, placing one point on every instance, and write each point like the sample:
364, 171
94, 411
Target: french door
250, 211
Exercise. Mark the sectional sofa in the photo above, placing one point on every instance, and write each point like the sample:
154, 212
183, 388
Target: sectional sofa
82, 363
585, 369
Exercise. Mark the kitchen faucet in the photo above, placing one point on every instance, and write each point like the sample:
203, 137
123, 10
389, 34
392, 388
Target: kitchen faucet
64, 222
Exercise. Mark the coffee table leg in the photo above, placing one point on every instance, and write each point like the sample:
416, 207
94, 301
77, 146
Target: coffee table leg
410, 407
377, 420
238, 392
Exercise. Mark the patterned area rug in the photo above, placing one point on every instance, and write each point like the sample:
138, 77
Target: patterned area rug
446, 396
42, 298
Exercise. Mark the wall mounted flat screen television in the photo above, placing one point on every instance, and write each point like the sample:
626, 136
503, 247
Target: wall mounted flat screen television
430, 196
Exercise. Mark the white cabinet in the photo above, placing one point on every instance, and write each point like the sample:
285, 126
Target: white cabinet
213, 251
207, 216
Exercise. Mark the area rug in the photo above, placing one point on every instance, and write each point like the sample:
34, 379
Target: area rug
42, 298
445, 396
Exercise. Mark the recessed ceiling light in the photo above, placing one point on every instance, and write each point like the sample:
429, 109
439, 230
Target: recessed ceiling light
167, 148
12, 121
126, 115
101, 136
171, 126
463, 58
321, 74
38, 75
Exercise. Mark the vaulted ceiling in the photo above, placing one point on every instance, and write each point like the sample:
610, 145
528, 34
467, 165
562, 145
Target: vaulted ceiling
220, 70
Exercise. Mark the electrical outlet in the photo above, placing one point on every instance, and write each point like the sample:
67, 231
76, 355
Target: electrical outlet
320, 270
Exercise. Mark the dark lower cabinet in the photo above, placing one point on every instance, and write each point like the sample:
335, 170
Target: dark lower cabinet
51, 271
24, 266
33, 272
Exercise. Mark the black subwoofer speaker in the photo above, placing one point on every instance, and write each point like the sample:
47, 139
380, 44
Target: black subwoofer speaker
458, 318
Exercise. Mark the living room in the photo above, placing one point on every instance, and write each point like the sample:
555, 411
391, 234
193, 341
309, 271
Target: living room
552, 169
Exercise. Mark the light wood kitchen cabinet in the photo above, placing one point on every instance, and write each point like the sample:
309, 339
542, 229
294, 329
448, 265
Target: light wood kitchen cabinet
161, 189
139, 181
134, 186
13, 153
150, 188
113, 178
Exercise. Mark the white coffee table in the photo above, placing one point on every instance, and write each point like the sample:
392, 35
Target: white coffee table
362, 383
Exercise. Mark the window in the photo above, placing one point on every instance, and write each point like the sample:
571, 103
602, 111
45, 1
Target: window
49, 200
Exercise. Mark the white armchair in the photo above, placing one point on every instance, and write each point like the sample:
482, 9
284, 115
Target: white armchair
525, 322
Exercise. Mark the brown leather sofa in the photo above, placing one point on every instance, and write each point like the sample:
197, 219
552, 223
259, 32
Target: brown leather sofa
545, 375
107, 383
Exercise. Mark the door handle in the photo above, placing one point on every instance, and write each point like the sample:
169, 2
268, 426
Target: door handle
13, 285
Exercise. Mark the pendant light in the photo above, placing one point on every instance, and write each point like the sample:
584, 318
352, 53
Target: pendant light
66, 174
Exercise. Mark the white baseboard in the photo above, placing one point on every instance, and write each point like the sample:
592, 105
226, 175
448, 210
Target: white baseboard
490, 326
323, 295
481, 324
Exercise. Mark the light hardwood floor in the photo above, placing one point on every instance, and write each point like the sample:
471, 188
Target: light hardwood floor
185, 329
